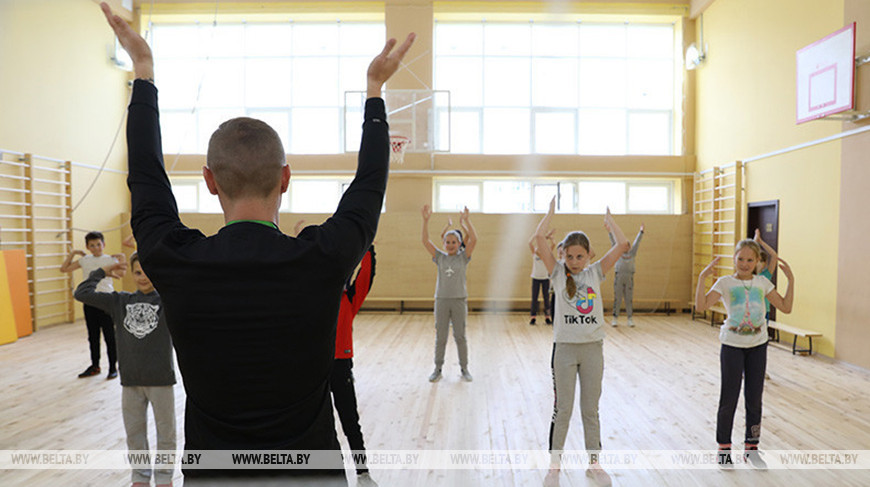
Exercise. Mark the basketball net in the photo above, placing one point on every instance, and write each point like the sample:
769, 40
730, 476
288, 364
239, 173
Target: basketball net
398, 143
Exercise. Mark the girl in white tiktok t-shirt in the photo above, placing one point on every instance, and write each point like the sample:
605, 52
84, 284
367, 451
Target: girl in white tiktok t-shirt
578, 337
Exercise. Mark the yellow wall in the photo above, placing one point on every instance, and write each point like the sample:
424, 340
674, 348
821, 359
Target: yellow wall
745, 108
61, 98
853, 334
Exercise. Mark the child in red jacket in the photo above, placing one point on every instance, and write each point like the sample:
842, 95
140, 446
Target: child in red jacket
341, 378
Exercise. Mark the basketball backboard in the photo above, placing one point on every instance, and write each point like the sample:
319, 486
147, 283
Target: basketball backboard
826, 75
423, 116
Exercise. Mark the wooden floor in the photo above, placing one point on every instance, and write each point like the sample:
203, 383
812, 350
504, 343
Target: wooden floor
660, 392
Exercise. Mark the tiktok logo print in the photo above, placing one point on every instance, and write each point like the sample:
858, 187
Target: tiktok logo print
584, 302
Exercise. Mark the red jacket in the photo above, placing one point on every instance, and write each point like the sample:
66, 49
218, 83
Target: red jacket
351, 300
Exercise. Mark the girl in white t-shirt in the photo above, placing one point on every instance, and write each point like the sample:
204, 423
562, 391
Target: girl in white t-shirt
540, 281
578, 337
743, 356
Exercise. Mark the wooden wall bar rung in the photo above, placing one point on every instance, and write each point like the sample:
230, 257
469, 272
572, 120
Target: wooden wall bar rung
12, 163
53, 315
50, 279
49, 193
43, 168
53, 218
52, 291
49, 181
17, 178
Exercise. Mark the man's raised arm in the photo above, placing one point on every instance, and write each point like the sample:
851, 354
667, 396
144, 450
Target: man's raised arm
154, 211
356, 219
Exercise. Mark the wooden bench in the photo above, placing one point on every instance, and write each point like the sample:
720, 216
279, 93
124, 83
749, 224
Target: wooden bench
797, 332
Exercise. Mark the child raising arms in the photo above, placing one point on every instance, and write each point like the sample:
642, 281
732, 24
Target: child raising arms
743, 355
578, 336
451, 294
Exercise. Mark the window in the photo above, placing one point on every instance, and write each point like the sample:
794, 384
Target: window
291, 75
559, 88
577, 196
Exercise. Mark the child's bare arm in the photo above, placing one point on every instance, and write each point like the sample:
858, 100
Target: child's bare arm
704, 301
620, 247
771, 254
471, 235
446, 227
68, 264
430, 247
540, 237
783, 303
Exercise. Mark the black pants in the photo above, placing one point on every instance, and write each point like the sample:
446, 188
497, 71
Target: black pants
538, 285
747, 365
96, 320
344, 397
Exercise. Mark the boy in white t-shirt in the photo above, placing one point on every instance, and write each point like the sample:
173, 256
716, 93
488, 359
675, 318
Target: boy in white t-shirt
95, 319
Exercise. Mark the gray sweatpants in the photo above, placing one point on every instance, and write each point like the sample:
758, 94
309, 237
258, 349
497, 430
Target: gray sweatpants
447, 310
623, 287
134, 407
570, 360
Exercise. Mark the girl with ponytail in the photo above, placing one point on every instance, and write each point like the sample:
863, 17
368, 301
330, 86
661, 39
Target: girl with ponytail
578, 337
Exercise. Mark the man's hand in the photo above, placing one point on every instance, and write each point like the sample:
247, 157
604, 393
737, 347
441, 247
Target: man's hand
133, 43
386, 64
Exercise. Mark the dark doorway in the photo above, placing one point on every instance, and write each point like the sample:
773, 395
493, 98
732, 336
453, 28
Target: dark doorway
764, 216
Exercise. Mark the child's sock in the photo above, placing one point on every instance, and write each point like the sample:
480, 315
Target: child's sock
723, 456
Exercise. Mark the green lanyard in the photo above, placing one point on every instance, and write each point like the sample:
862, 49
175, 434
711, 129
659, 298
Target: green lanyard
261, 222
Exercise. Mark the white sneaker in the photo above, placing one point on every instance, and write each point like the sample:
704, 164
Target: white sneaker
615, 321
466, 376
436, 376
630, 323
365, 480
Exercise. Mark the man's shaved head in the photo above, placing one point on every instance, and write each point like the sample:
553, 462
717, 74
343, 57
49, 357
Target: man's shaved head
246, 156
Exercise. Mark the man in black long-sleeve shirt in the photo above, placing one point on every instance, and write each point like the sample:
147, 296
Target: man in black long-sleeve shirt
252, 311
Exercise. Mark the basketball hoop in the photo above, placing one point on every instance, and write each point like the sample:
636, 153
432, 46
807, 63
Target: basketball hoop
398, 143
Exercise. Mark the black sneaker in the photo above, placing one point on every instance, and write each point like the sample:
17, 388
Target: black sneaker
753, 456
548, 321
90, 371
532, 321
113, 374
724, 460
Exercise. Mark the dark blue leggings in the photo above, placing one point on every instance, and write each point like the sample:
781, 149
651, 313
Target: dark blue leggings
538, 285
738, 365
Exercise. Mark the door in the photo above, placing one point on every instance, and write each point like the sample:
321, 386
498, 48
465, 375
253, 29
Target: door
764, 216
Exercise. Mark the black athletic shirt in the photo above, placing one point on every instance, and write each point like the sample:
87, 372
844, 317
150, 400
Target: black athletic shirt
252, 311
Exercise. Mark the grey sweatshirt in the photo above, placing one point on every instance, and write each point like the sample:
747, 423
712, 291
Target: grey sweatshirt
141, 334
625, 264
